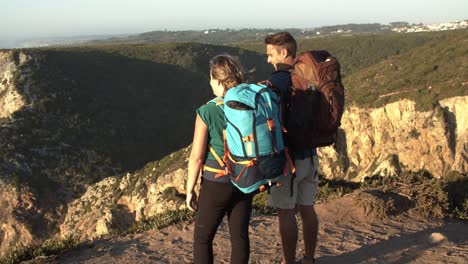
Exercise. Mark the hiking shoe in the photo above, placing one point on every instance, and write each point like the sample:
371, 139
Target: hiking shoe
306, 260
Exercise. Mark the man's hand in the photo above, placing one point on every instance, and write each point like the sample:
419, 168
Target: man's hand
191, 201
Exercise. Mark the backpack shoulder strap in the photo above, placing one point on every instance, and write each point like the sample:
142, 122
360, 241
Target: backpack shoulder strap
267, 83
218, 159
217, 100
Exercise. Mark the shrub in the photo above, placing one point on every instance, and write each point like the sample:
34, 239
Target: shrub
430, 197
260, 204
456, 186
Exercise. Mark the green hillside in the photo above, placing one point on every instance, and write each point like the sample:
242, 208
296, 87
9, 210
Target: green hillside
425, 74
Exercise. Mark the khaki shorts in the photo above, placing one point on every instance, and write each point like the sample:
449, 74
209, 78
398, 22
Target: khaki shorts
305, 186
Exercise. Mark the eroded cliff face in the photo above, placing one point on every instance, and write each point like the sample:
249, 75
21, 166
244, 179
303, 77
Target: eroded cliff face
12, 97
396, 138
117, 203
35, 182
13, 231
457, 121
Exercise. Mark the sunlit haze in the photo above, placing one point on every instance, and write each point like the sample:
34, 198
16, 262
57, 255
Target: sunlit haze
23, 19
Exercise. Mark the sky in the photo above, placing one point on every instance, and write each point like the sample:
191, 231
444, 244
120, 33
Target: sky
27, 19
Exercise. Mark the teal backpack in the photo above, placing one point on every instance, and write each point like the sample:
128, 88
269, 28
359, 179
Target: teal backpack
255, 155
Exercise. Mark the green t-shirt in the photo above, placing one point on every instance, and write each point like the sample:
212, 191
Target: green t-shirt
213, 117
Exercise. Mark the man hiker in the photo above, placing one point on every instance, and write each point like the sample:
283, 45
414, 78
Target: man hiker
300, 192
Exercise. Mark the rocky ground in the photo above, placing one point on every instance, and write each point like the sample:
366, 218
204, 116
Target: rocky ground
346, 235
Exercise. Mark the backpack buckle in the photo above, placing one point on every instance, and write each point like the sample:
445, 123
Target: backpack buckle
311, 87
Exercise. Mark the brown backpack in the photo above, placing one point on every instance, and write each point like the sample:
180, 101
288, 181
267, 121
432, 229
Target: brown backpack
316, 103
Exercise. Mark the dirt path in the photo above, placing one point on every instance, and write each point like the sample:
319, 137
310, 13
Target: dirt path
345, 236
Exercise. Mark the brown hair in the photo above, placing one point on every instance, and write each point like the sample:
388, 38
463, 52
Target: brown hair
284, 40
226, 69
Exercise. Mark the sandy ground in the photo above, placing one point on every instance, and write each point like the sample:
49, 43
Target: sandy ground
346, 235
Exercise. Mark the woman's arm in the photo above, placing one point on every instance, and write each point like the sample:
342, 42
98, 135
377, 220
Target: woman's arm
200, 138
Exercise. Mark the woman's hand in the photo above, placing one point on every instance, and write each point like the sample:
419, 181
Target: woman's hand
191, 201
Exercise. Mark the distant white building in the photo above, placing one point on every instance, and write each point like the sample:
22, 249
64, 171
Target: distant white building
433, 27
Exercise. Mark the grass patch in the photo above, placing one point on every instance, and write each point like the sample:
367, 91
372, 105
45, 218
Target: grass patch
50, 247
163, 220
425, 74
330, 188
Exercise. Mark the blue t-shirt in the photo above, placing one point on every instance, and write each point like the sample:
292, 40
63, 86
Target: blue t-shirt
281, 80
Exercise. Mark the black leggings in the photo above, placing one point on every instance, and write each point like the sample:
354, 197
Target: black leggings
217, 199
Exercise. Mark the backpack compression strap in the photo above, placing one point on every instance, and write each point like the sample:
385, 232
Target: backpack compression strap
291, 163
226, 153
272, 127
247, 163
292, 167
219, 172
252, 162
270, 85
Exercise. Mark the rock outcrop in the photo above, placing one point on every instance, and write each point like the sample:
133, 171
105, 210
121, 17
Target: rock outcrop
117, 203
13, 231
13, 97
396, 138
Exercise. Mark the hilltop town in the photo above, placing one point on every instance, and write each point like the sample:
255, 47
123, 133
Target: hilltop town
432, 27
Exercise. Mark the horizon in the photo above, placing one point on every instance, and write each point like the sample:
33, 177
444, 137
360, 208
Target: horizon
31, 20
12, 44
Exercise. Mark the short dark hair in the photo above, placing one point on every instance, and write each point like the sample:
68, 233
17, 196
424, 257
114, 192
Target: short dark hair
284, 40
